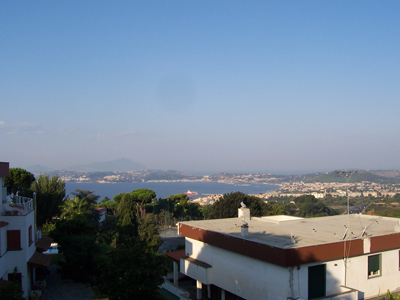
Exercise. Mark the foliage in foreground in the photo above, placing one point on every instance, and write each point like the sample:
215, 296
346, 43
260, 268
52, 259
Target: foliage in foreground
119, 256
391, 297
19, 180
11, 290
227, 206
131, 272
50, 193
309, 206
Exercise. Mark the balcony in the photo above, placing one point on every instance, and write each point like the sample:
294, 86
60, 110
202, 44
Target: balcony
19, 206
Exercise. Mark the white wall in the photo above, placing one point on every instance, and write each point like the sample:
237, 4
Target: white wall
246, 277
19, 259
390, 278
253, 279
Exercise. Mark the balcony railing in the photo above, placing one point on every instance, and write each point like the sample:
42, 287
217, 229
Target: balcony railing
346, 293
19, 206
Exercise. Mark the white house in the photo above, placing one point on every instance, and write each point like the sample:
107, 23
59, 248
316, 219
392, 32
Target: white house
20, 244
283, 257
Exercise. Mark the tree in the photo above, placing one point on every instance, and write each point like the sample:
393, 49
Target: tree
142, 197
77, 238
12, 289
227, 206
19, 180
273, 208
117, 198
50, 193
78, 206
88, 195
309, 206
131, 272
127, 214
148, 232
108, 231
183, 209
110, 205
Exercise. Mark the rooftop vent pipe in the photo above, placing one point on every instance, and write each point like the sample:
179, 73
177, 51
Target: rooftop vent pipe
245, 230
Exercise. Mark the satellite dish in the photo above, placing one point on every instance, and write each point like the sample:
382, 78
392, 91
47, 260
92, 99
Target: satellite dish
243, 205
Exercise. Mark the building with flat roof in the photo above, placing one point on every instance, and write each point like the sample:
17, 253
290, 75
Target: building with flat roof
21, 245
284, 257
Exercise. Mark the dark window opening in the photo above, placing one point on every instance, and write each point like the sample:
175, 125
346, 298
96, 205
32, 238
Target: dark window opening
13, 240
30, 235
374, 265
316, 281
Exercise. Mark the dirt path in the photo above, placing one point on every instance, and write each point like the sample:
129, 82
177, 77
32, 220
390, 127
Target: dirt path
60, 289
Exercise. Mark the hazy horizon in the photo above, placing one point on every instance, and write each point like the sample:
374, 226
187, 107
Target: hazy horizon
34, 169
282, 87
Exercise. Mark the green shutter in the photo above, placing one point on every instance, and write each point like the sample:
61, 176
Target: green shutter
373, 264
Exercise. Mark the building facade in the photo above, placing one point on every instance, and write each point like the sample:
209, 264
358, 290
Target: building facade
282, 257
20, 244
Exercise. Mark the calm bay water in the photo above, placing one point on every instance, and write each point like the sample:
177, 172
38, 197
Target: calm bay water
165, 189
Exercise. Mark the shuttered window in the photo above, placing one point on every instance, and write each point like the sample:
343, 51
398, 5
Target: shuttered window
30, 237
13, 240
374, 265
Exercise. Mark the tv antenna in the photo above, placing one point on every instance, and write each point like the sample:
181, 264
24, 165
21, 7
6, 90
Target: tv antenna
346, 251
348, 176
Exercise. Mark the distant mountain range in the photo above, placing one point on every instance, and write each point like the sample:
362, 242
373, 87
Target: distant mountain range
39, 169
118, 165
124, 165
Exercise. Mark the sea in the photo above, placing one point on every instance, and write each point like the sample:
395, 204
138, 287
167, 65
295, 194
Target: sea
166, 189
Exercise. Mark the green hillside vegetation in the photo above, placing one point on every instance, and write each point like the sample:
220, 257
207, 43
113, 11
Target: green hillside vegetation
355, 177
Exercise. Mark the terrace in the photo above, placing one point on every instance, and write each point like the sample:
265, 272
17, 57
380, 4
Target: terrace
18, 206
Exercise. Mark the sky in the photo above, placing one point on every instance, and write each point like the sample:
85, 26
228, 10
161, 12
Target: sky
201, 86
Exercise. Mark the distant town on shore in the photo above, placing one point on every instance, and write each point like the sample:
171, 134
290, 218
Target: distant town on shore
320, 185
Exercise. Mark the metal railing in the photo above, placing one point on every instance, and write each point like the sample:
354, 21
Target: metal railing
346, 293
18, 207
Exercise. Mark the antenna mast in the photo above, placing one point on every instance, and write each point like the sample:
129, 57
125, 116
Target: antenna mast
347, 192
347, 173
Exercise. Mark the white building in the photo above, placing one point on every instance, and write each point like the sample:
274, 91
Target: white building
20, 244
283, 257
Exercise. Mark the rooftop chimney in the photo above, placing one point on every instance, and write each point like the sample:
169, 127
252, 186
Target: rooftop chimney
244, 213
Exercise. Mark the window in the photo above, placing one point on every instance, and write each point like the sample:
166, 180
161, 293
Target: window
374, 266
13, 240
30, 235
316, 281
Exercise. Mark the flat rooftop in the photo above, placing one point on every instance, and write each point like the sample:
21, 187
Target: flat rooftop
291, 232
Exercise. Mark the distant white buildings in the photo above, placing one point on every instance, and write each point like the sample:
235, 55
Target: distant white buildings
20, 244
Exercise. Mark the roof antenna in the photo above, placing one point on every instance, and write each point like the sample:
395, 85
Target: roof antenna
347, 192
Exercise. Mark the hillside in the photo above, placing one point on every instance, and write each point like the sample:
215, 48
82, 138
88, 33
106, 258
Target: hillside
355, 177
118, 165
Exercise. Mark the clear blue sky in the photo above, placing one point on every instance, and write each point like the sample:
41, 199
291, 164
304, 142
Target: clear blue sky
236, 86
